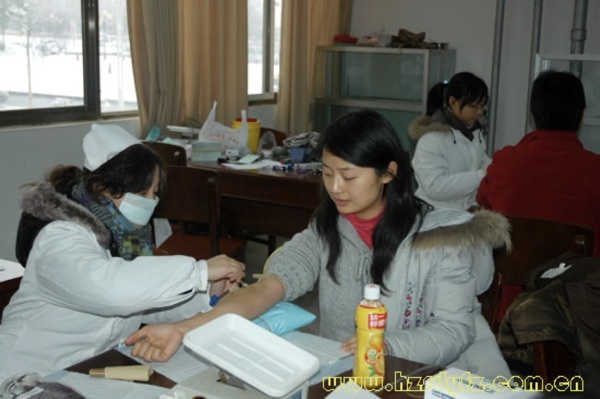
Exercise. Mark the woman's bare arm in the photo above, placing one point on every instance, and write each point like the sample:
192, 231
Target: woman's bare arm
158, 342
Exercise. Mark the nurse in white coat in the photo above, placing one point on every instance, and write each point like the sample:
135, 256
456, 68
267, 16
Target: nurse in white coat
90, 278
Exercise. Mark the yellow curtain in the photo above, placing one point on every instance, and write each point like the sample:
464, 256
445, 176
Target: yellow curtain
306, 24
187, 54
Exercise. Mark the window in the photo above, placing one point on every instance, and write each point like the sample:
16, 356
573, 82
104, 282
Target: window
264, 38
64, 60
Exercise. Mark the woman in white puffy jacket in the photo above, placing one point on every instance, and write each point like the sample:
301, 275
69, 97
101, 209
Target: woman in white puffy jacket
450, 157
90, 278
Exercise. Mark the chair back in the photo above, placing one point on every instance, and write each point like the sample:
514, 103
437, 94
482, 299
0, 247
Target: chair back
536, 241
193, 195
279, 135
170, 154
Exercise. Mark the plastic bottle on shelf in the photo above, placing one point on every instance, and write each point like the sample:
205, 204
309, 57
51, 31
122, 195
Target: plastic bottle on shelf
369, 361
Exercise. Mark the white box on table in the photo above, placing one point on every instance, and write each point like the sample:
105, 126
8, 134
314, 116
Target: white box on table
259, 358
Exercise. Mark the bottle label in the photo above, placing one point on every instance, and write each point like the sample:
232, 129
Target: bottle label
377, 321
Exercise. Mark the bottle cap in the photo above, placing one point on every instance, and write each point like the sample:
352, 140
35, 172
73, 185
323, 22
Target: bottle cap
372, 292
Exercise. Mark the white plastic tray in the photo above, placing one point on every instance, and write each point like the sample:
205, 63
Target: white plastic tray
259, 358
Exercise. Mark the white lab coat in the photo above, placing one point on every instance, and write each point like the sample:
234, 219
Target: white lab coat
76, 300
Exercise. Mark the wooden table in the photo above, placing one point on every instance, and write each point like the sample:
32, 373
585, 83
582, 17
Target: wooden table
394, 366
396, 386
265, 201
113, 358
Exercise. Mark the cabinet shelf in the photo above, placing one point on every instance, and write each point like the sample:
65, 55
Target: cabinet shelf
371, 102
392, 81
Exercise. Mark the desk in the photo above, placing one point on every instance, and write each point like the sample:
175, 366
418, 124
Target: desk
264, 201
114, 358
393, 364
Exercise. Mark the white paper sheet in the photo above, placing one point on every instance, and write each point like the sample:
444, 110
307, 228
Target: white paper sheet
349, 390
264, 163
326, 350
101, 388
181, 366
10, 270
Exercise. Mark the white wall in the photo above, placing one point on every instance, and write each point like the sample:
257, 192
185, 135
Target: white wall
468, 25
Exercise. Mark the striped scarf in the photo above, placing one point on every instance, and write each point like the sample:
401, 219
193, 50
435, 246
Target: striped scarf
128, 241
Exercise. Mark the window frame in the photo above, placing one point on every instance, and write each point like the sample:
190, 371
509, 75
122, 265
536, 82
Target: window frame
269, 95
91, 108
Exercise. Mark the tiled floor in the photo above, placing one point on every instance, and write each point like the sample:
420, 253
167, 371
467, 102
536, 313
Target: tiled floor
256, 255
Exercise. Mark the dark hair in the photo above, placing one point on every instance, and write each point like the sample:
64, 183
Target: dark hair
435, 98
557, 101
467, 88
131, 170
367, 139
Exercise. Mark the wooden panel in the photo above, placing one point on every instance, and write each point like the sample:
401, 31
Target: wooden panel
266, 201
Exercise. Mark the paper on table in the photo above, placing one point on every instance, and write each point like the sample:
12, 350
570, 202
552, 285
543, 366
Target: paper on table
181, 366
100, 388
264, 163
332, 360
326, 350
10, 270
350, 390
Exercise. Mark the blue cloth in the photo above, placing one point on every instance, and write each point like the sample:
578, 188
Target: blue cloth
284, 317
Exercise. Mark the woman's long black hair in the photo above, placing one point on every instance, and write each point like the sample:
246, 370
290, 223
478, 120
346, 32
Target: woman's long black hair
366, 139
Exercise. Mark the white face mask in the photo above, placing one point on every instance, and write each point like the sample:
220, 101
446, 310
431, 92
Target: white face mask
138, 210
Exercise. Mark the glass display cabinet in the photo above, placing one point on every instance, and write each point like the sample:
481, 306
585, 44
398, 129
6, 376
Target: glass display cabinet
587, 68
391, 81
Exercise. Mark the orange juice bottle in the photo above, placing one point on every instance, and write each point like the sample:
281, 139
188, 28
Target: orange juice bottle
371, 317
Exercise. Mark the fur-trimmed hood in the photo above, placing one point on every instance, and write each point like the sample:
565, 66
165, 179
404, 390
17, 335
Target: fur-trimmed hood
424, 124
43, 202
450, 228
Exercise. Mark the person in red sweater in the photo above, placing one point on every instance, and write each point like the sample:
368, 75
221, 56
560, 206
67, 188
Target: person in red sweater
548, 174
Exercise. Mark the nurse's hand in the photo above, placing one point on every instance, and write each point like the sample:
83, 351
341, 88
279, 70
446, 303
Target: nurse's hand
155, 342
224, 267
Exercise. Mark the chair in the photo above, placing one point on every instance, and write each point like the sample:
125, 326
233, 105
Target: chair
279, 135
193, 195
534, 242
170, 154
